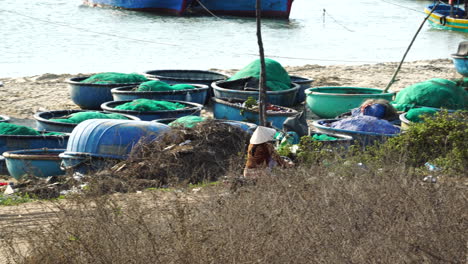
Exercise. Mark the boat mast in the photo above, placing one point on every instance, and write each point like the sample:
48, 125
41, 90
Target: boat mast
262, 82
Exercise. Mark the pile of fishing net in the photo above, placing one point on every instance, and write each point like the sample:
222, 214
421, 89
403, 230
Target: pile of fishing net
277, 77
19, 130
415, 114
438, 93
144, 105
115, 77
79, 117
187, 121
364, 123
158, 86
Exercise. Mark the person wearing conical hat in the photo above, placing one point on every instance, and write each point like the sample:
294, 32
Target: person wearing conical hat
261, 153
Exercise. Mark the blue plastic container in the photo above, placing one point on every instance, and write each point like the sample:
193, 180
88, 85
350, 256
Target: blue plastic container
14, 142
197, 95
188, 76
364, 138
91, 95
461, 64
4, 118
96, 143
191, 109
34, 162
304, 83
233, 90
229, 110
247, 127
43, 122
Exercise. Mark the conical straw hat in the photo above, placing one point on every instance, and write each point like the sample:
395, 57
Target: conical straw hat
262, 134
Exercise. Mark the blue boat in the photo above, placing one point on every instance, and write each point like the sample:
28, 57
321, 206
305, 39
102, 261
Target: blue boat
172, 7
230, 109
270, 8
34, 162
448, 17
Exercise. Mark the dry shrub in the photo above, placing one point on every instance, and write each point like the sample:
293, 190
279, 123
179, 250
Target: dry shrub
189, 155
336, 214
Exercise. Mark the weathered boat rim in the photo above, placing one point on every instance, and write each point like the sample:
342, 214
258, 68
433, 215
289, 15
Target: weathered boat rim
316, 91
126, 90
295, 87
149, 74
4, 118
28, 154
223, 101
193, 106
38, 116
77, 81
317, 124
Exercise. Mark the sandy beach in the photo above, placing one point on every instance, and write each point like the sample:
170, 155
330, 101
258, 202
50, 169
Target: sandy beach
21, 97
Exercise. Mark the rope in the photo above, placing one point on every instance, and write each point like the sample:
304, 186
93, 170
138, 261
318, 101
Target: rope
402, 6
336, 21
207, 10
409, 47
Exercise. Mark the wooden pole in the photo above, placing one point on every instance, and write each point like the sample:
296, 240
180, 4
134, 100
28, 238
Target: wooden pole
262, 82
408, 49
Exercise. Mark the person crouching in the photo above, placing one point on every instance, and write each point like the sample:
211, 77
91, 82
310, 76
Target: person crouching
261, 154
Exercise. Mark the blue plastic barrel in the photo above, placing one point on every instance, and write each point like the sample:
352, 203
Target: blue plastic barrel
461, 64
97, 142
34, 162
191, 109
197, 95
91, 95
43, 122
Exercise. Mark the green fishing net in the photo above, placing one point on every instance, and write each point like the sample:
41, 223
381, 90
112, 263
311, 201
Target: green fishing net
54, 134
115, 77
143, 105
162, 86
415, 114
79, 117
13, 129
277, 77
438, 93
187, 121
323, 137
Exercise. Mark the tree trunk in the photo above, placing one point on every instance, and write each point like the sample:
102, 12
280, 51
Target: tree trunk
262, 84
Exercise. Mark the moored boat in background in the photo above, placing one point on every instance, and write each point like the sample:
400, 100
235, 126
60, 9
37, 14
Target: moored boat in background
448, 16
172, 7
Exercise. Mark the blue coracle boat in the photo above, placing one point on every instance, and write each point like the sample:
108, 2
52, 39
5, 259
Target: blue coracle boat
173, 7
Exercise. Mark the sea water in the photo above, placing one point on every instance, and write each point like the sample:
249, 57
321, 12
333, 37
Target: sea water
63, 36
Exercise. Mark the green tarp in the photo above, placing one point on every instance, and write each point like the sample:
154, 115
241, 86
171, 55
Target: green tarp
79, 117
143, 105
162, 86
13, 129
115, 77
187, 121
438, 93
277, 77
414, 115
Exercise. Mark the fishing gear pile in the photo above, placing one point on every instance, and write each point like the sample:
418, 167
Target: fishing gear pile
144, 105
115, 77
